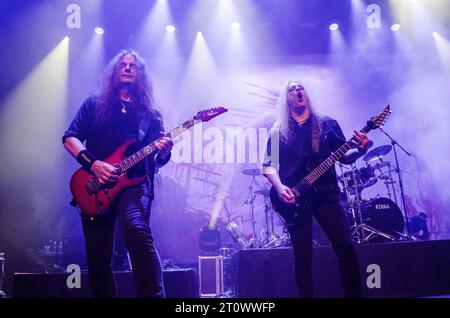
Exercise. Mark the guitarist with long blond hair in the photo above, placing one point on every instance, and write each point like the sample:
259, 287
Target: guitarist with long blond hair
122, 111
301, 134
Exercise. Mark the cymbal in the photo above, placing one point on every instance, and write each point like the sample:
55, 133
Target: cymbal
377, 153
264, 192
252, 172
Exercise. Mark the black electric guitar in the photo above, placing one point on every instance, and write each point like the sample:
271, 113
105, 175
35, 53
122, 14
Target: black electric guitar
304, 185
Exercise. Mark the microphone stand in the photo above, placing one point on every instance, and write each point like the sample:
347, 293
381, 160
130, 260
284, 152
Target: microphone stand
399, 173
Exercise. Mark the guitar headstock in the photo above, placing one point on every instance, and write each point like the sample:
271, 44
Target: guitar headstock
379, 120
208, 114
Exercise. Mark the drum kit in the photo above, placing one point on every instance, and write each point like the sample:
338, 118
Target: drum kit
375, 219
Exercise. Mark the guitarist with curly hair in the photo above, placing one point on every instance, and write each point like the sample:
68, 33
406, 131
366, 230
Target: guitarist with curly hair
122, 111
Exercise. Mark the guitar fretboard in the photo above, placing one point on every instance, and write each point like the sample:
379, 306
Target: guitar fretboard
140, 155
328, 163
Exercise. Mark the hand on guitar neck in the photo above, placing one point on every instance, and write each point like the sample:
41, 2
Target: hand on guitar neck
164, 145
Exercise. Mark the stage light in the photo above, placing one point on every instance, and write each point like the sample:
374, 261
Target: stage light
395, 27
435, 34
99, 30
334, 26
170, 28
235, 26
209, 240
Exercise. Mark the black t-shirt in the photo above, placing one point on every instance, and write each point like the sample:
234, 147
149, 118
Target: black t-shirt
103, 140
294, 155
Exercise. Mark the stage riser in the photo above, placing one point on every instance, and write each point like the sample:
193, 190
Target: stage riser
407, 269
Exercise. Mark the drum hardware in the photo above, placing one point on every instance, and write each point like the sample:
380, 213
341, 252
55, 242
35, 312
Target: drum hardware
394, 143
251, 196
383, 216
375, 220
367, 176
388, 180
368, 225
269, 237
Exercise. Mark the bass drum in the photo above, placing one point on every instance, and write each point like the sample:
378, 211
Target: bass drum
384, 215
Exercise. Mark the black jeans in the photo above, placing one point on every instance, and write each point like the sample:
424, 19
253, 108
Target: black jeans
132, 207
331, 217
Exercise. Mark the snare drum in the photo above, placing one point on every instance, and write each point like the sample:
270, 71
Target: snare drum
384, 215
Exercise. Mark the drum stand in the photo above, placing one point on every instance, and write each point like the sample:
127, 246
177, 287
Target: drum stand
271, 239
399, 174
363, 233
269, 235
254, 242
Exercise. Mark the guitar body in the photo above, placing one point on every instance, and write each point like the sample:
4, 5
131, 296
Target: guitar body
97, 203
292, 213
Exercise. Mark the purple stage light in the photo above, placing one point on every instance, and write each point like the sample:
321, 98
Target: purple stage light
334, 26
99, 30
395, 27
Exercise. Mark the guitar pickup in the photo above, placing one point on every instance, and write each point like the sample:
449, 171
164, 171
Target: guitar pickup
93, 186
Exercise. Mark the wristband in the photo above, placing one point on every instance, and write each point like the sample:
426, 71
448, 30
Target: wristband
86, 159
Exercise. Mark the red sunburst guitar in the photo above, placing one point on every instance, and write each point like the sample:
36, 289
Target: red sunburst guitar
94, 198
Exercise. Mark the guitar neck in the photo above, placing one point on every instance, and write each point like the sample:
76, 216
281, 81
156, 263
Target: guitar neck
140, 155
328, 163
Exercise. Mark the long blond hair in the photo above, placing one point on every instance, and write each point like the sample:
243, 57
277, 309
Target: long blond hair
283, 114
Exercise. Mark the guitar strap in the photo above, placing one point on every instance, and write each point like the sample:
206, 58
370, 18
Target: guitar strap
142, 132
143, 127
316, 133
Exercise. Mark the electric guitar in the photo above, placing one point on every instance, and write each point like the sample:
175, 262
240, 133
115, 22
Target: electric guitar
304, 186
94, 198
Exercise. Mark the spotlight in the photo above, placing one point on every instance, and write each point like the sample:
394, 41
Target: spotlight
235, 26
170, 28
99, 30
395, 27
334, 26
209, 240
435, 33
